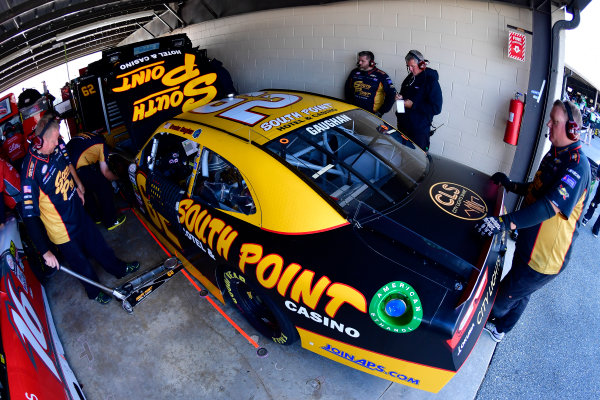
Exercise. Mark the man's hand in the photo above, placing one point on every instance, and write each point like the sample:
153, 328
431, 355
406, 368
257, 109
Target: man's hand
490, 226
500, 178
51, 260
81, 196
408, 103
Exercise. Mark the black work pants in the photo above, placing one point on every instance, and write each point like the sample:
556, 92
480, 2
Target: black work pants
90, 243
592, 208
99, 201
514, 293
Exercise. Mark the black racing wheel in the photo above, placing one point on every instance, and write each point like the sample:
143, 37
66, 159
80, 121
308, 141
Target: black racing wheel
256, 306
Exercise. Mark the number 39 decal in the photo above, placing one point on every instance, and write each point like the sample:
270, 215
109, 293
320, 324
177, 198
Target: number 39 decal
241, 109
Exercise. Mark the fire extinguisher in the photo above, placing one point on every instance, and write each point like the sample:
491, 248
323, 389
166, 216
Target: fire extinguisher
513, 125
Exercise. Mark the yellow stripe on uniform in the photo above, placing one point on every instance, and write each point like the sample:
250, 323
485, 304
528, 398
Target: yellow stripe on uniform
91, 155
57, 231
554, 240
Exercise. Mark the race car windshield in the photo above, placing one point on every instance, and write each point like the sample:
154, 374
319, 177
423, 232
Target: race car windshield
355, 157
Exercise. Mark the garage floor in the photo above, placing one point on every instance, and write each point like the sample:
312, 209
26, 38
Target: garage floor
177, 346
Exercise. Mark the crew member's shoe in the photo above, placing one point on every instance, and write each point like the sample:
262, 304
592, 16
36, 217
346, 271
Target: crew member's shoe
495, 335
584, 221
103, 298
120, 219
132, 267
595, 233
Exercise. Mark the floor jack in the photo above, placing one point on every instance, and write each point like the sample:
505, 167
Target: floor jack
138, 288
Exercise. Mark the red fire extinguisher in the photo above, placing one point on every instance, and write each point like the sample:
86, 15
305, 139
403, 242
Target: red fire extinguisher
513, 125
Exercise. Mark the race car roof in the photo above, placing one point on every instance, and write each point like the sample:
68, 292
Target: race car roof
266, 115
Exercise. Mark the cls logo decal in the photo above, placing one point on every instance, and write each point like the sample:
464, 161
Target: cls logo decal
458, 201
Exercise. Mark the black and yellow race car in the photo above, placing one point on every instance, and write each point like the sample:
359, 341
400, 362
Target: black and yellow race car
322, 222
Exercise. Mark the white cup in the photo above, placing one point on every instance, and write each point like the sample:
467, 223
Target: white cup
400, 106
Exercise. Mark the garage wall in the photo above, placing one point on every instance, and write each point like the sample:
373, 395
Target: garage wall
314, 48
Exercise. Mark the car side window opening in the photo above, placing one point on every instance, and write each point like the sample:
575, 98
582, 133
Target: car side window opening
221, 185
354, 157
172, 157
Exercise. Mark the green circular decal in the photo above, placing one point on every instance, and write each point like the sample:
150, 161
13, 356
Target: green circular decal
393, 294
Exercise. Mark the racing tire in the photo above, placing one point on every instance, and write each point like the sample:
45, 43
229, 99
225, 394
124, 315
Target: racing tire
258, 308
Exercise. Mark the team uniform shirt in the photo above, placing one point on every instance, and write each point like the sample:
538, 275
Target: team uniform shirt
15, 147
49, 192
563, 179
87, 149
371, 90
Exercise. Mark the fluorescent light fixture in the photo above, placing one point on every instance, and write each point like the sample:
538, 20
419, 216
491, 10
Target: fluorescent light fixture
123, 18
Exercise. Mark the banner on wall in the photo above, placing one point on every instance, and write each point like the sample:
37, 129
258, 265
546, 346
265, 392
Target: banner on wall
516, 46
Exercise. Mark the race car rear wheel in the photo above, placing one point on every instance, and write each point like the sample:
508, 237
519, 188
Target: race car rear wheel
256, 306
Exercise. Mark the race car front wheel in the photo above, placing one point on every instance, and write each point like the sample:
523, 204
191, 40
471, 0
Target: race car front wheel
256, 306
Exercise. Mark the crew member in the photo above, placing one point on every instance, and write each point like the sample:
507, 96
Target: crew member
368, 87
548, 222
88, 153
422, 97
50, 195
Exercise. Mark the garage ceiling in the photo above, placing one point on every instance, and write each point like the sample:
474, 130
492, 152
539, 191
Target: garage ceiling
37, 35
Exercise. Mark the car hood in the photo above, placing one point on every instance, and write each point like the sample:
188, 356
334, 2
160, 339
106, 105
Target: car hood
438, 218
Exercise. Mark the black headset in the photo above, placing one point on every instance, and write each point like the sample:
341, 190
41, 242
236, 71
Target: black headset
421, 63
571, 126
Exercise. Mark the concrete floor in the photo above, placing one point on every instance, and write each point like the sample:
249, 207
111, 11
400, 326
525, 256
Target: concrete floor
177, 346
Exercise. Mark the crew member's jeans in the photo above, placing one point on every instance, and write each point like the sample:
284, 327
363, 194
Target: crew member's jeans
514, 293
90, 243
592, 208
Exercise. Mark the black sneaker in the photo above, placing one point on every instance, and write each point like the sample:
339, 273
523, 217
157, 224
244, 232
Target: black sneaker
132, 267
120, 219
584, 221
103, 298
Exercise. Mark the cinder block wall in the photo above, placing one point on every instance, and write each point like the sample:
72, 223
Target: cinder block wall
313, 48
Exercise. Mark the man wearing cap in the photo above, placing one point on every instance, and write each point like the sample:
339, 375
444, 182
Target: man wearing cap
368, 87
51, 196
422, 97
548, 221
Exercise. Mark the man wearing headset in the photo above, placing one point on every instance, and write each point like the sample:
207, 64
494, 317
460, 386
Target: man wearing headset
548, 221
422, 96
368, 87
51, 195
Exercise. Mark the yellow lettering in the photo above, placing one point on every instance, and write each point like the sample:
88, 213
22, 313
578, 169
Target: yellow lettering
163, 102
193, 213
225, 239
270, 260
151, 109
191, 90
183, 73
198, 222
138, 79
138, 112
124, 87
167, 231
302, 288
249, 253
341, 294
286, 278
183, 206
203, 228
216, 226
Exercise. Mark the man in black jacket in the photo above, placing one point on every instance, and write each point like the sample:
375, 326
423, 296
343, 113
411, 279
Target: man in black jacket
422, 98
368, 87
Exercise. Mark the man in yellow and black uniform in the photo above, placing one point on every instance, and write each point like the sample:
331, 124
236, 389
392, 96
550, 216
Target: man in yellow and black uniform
50, 195
548, 221
368, 87
88, 153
